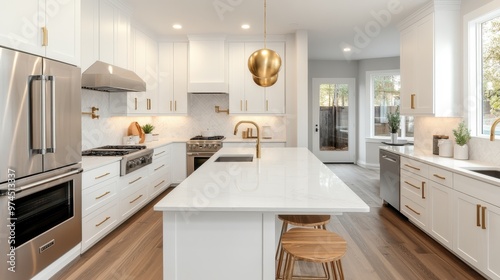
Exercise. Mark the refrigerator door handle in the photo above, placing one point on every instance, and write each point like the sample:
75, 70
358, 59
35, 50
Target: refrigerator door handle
37, 142
52, 148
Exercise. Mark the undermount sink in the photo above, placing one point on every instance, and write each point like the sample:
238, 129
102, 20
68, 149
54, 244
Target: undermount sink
492, 172
235, 158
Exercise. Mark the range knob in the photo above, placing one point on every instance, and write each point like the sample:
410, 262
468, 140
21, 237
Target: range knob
142, 160
131, 164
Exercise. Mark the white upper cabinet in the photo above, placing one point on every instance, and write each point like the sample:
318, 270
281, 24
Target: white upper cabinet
430, 61
207, 64
172, 96
246, 97
41, 27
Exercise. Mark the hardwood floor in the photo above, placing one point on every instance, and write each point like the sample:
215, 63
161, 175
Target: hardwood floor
382, 244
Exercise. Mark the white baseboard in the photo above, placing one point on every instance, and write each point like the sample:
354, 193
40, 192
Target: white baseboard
59, 264
368, 165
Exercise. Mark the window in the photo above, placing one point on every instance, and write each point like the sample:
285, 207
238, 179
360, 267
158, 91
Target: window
483, 69
384, 89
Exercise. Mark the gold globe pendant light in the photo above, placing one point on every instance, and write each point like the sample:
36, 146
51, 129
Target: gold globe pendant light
264, 64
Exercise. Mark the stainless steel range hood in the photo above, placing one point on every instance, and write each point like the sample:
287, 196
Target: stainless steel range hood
102, 76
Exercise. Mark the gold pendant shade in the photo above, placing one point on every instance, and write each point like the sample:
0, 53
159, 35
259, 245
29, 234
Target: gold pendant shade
264, 64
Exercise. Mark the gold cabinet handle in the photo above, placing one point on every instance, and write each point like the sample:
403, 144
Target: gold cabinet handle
412, 210
267, 105
175, 105
439, 176
159, 153
478, 215
102, 195
148, 104
241, 105
103, 175
159, 184
103, 221
412, 167
135, 199
483, 217
423, 190
412, 99
418, 188
170, 105
156, 169
134, 180
135, 103
45, 36
246, 105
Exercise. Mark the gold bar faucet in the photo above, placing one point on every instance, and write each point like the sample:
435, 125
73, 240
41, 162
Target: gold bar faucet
492, 129
258, 135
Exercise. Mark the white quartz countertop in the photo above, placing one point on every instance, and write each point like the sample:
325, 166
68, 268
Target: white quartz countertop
454, 165
283, 180
253, 140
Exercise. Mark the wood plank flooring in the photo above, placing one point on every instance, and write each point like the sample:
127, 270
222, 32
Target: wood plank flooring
382, 244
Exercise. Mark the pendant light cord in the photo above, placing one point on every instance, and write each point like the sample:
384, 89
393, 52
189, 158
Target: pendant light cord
265, 24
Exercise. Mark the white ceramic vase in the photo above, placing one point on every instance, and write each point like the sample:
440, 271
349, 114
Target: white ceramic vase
149, 137
461, 152
394, 137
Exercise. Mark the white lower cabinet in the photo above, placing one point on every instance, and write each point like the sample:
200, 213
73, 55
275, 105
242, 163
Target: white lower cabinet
133, 192
413, 198
179, 164
477, 224
440, 199
159, 171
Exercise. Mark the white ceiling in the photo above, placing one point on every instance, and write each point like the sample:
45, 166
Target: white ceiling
330, 24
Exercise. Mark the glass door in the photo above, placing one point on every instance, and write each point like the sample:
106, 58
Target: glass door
334, 120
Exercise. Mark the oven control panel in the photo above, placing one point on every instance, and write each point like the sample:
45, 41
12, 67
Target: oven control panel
203, 147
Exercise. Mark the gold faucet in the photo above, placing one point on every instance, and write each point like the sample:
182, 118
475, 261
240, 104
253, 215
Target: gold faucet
492, 129
258, 135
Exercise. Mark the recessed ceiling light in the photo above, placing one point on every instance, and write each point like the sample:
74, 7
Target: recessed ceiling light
347, 49
245, 26
177, 26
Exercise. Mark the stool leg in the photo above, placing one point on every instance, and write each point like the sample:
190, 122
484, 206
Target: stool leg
341, 271
290, 262
334, 271
280, 263
284, 228
280, 251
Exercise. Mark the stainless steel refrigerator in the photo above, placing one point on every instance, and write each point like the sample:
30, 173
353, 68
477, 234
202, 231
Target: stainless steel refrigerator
40, 170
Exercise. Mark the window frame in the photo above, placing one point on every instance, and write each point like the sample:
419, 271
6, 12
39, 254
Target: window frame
369, 78
473, 65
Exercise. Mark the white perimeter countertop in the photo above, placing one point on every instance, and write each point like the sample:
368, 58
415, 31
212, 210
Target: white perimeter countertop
454, 165
284, 180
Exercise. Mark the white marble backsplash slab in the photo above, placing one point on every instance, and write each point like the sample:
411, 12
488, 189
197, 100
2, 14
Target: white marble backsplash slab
109, 129
426, 127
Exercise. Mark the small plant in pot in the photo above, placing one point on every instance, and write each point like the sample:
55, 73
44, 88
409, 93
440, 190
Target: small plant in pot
148, 128
462, 137
393, 120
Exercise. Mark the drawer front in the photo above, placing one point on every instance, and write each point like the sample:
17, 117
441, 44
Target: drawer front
98, 224
161, 152
158, 168
441, 176
133, 202
158, 185
413, 185
478, 189
413, 211
98, 195
132, 180
414, 166
100, 174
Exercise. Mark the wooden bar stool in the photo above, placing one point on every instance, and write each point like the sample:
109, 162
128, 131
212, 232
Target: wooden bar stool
314, 245
315, 221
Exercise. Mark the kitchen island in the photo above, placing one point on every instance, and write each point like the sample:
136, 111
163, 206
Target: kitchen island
220, 223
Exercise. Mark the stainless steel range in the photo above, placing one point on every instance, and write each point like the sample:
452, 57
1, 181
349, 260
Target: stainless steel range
133, 156
199, 149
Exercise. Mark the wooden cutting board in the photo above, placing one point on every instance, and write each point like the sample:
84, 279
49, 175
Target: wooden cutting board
135, 129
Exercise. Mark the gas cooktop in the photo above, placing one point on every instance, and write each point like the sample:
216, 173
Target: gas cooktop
113, 150
133, 156
199, 137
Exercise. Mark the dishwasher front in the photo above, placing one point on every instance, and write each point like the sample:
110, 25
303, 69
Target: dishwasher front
389, 178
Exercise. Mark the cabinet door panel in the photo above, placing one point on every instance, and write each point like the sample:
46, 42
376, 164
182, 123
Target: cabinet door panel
407, 65
236, 77
424, 99
492, 225
106, 32
440, 209
63, 23
180, 78
468, 236
166, 78
275, 94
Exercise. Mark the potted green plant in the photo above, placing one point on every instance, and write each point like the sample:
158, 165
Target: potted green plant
148, 128
462, 137
393, 120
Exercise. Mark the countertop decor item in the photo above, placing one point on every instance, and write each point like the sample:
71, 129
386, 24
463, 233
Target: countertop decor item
393, 120
135, 129
264, 64
148, 129
462, 136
